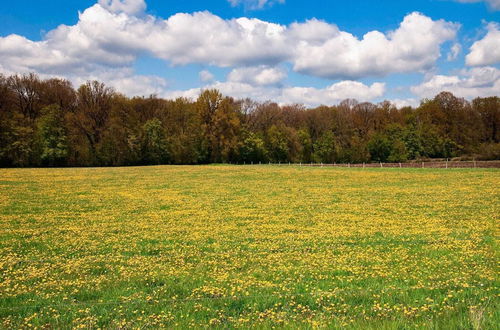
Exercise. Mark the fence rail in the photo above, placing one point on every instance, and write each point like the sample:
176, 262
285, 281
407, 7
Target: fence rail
425, 164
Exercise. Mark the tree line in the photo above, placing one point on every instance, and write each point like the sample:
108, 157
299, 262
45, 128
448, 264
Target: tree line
49, 123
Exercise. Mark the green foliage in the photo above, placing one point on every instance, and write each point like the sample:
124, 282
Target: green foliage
51, 136
307, 145
17, 141
488, 109
398, 152
47, 122
489, 151
20, 150
277, 144
324, 149
154, 145
252, 148
431, 145
400, 139
354, 152
220, 125
413, 143
380, 147
450, 148
226, 132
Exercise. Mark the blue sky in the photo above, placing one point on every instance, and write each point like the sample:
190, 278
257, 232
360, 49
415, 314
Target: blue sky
310, 52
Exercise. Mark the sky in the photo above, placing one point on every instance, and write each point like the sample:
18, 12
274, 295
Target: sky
289, 51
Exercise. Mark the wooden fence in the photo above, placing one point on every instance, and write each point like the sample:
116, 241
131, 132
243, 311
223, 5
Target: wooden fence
425, 164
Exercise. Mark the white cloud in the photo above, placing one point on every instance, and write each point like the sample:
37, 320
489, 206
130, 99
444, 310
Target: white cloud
132, 7
237, 90
128, 83
260, 75
20, 55
487, 50
325, 51
409, 102
454, 52
111, 36
205, 38
254, 4
484, 81
206, 76
308, 96
123, 80
70, 49
493, 4
334, 93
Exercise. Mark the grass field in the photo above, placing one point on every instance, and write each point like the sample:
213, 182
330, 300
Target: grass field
239, 246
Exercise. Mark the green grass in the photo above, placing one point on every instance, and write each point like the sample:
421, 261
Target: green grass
239, 246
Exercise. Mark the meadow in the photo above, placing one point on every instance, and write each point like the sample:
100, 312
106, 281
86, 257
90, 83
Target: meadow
239, 246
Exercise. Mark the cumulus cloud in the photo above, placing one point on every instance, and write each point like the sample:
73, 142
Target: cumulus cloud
206, 76
70, 49
325, 51
126, 82
206, 38
334, 93
409, 102
132, 7
454, 52
110, 35
493, 4
484, 81
259, 76
254, 4
237, 90
107, 34
487, 50
308, 96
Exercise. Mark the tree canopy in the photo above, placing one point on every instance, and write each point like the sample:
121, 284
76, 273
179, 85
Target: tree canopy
49, 123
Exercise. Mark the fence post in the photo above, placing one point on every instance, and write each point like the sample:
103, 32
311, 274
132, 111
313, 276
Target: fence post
381, 165
349, 165
363, 164
446, 162
400, 165
422, 164
474, 162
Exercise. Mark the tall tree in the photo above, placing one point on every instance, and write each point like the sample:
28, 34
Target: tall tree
488, 109
154, 143
90, 117
47, 122
51, 136
27, 90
